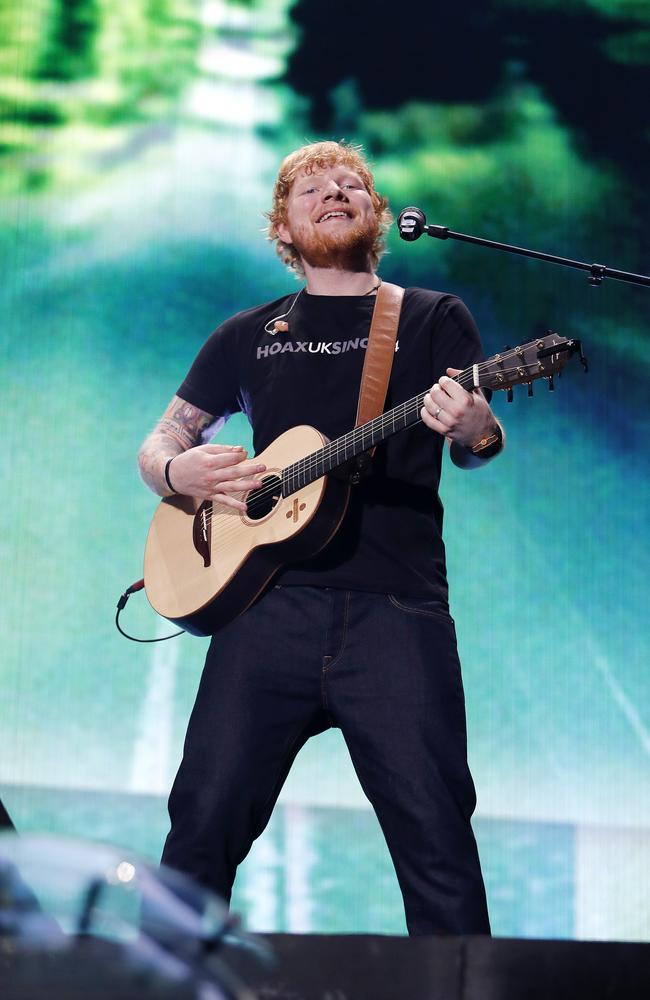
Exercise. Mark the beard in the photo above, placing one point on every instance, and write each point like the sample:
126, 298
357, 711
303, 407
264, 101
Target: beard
349, 250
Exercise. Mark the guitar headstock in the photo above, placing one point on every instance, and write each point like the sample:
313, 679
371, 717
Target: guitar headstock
541, 358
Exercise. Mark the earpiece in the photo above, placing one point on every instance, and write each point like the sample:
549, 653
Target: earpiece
279, 324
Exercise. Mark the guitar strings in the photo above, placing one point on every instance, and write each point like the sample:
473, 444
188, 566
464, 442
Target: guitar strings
408, 407
225, 516
310, 462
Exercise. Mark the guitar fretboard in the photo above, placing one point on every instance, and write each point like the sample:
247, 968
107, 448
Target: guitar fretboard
299, 474
540, 358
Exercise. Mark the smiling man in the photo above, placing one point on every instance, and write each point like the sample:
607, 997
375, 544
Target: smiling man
358, 636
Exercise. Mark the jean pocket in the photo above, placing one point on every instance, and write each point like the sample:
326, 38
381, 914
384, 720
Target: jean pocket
431, 607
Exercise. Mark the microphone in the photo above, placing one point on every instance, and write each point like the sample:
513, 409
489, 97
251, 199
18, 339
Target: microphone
411, 222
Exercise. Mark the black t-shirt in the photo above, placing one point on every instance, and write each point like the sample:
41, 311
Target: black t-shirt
391, 538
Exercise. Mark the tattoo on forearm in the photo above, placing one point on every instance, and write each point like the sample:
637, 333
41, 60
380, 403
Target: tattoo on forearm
185, 422
181, 427
152, 459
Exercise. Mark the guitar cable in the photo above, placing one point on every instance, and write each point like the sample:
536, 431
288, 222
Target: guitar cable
121, 604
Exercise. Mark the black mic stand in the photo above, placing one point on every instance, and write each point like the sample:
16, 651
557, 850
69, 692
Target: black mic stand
412, 224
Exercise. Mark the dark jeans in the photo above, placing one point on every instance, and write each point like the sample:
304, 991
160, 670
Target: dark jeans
383, 669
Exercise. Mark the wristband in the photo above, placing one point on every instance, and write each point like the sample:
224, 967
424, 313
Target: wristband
167, 479
489, 445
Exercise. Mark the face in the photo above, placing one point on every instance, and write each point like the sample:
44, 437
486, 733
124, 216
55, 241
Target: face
330, 218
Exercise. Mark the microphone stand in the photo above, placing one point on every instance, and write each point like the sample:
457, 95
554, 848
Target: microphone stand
412, 224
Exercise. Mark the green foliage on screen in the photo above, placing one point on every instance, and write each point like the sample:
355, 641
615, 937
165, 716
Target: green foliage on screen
91, 63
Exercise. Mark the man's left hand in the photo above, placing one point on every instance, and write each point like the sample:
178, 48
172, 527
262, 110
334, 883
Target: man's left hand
461, 416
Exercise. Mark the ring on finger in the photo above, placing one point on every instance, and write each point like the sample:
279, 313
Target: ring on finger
437, 413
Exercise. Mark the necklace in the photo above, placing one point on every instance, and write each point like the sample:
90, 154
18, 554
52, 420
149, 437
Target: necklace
279, 323
373, 289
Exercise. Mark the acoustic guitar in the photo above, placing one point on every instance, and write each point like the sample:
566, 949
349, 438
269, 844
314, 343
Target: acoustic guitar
205, 563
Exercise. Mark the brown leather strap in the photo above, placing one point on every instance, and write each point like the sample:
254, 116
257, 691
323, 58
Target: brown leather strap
380, 352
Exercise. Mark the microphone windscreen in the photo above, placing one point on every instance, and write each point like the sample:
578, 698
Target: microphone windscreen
411, 222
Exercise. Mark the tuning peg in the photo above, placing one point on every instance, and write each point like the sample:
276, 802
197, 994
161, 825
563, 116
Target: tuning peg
551, 386
530, 389
509, 394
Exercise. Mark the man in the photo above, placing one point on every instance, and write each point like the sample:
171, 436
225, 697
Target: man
360, 635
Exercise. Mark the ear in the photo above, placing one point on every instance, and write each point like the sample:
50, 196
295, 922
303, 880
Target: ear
283, 232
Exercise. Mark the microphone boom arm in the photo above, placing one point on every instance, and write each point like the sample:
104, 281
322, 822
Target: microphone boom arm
596, 271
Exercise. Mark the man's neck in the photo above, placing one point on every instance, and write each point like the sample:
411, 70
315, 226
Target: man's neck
331, 281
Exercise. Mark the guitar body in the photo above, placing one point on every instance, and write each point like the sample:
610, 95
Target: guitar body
205, 563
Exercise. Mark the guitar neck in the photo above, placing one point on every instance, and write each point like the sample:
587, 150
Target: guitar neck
539, 359
335, 454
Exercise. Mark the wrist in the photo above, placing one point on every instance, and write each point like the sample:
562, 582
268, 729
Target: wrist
168, 481
490, 443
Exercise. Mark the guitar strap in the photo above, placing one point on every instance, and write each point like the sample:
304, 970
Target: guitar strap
378, 362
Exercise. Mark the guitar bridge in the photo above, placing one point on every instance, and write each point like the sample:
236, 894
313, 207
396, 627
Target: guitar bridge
202, 531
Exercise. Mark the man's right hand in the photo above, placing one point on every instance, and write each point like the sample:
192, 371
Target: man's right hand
215, 472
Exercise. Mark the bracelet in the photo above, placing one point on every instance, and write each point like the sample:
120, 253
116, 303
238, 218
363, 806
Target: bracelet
167, 479
489, 445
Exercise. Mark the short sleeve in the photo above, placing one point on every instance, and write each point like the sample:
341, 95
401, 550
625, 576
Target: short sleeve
458, 341
212, 383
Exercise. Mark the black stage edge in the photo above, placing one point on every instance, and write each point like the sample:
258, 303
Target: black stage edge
5, 819
348, 967
373, 967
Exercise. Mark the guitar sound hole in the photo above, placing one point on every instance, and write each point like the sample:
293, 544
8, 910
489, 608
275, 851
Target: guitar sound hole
260, 502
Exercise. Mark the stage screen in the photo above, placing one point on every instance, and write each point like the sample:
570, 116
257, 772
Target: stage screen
139, 143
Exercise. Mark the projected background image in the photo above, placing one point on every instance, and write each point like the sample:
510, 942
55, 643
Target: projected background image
138, 146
